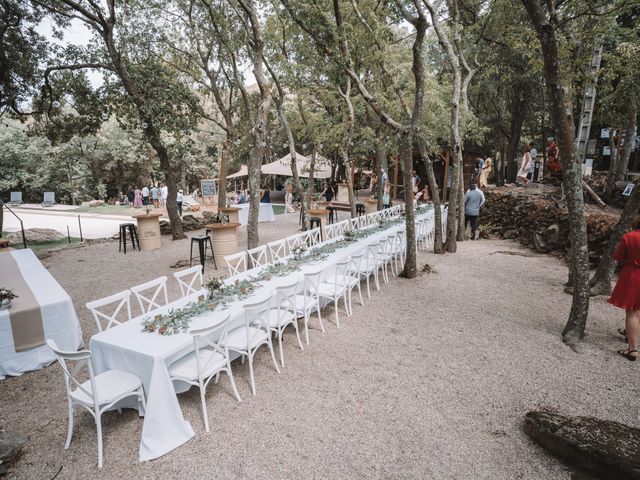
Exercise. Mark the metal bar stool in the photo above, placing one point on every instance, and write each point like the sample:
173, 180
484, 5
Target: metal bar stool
316, 222
133, 233
361, 209
202, 249
333, 217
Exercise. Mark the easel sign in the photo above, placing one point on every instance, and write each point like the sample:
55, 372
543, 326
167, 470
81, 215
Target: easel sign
628, 189
209, 191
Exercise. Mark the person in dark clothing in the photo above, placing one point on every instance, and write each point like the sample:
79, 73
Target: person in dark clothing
130, 196
473, 201
266, 195
328, 192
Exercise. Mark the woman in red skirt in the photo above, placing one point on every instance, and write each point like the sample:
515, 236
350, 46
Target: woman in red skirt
627, 292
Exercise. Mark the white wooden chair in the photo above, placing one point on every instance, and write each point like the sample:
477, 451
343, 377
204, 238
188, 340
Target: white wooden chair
313, 237
98, 393
189, 280
115, 314
336, 289
354, 223
255, 332
158, 290
309, 300
277, 249
330, 231
236, 263
284, 315
371, 265
295, 240
208, 359
258, 256
342, 227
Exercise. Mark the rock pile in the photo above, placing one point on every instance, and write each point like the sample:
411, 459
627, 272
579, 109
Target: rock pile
35, 235
189, 222
534, 216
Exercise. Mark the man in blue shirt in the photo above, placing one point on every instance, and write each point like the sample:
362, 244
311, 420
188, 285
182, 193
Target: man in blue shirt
473, 201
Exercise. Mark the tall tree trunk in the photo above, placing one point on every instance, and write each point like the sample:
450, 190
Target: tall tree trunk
613, 150
346, 161
461, 225
625, 154
601, 281
561, 108
410, 269
435, 198
312, 166
381, 163
518, 113
183, 176
224, 171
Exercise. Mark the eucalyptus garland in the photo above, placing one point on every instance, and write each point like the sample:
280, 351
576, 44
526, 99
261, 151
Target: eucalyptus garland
177, 320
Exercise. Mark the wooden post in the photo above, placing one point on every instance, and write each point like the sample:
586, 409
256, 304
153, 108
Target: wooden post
395, 176
446, 176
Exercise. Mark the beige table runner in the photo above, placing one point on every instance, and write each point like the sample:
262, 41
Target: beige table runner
24, 315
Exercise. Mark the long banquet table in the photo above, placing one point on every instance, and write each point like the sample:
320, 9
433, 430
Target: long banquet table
149, 355
265, 213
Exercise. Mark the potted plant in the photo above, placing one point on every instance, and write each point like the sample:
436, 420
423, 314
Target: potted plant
6, 296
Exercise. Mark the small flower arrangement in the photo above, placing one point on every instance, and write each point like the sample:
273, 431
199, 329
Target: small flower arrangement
6, 295
298, 252
214, 284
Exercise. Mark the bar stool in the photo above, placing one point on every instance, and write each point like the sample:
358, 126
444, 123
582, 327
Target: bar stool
331, 210
361, 209
316, 222
202, 249
133, 233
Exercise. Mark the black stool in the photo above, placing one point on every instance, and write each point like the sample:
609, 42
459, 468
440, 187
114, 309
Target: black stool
331, 214
202, 249
361, 209
316, 222
133, 233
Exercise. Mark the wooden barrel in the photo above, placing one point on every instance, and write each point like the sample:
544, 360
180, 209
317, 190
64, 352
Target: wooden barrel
149, 230
372, 205
225, 240
343, 193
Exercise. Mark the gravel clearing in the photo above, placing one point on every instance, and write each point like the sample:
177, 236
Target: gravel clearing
430, 379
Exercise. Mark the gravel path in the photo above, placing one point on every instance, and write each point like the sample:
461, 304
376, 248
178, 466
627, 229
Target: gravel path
430, 379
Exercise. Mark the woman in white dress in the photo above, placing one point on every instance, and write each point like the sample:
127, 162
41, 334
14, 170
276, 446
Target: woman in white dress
525, 166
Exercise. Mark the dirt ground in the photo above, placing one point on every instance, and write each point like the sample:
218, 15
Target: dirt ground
430, 379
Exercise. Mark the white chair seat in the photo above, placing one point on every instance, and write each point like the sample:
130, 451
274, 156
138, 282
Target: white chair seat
342, 280
275, 322
237, 339
299, 304
110, 385
327, 289
187, 367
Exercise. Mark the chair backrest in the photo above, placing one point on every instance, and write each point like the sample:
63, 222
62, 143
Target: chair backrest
212, 336
150, 294
354, 223
330, 231
341, 270
286, 298
311, 283
362, 221
256, 314
113, 316
342, 227
189, 280
355, 265
78, 361
277, 249
295, 240
371, 254
236, 263
313, 237
258, 256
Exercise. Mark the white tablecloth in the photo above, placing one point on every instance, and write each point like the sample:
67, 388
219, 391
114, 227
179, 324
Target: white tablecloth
148, 355
58, 318
265, 214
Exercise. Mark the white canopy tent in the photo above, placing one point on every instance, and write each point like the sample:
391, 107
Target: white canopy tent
322, 167
243, 172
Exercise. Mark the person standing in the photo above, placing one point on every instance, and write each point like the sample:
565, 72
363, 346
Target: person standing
534, 161
288, 199
328, 192
266, 195
155, 197
164, 193
179, 200
553, 155
415, 181
131, 196
626, 294
145, 195
525, 166
473, 201
137, 198
386, 197
484, 174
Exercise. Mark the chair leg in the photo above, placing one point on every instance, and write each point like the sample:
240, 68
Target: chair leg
306, 327
120, 241
335, 304
319, 316
70, 429
191, 254
233, 382
360, 293
135, 231
251, 380
202, 250
273, 355
204, 408
133, 242
280, 346
213, 255
99, 430
295, 325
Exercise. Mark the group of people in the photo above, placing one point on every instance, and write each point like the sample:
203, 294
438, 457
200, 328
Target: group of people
242, 196
145, 196
530, 167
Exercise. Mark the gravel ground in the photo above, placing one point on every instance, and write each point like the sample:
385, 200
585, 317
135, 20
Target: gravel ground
430, 379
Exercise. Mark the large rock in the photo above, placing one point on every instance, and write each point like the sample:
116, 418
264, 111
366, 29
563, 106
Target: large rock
10, 445
35, 235
609, 450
